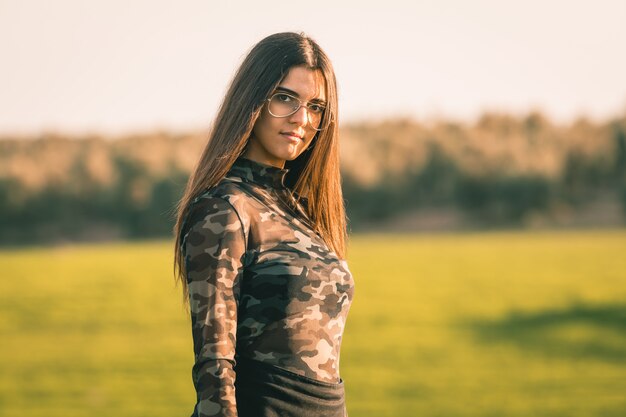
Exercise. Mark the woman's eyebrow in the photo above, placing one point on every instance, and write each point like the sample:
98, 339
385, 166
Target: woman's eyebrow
286, 90
293, 93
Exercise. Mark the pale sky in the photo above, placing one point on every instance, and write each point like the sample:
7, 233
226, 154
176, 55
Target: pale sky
119, 66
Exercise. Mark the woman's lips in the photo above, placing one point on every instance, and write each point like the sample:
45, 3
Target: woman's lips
293, 137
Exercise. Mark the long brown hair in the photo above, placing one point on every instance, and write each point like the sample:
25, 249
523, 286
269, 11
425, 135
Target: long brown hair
314, 174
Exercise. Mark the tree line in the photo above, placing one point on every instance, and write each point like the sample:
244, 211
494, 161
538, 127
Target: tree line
499, 171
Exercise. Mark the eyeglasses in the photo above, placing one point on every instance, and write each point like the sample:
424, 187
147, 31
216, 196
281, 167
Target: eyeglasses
284, 105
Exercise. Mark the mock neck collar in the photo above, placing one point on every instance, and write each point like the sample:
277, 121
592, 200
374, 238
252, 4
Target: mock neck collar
258, 173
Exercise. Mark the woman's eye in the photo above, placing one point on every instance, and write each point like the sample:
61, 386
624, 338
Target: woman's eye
284, 98
316, 108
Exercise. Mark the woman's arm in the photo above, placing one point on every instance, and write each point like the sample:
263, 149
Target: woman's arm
214, 250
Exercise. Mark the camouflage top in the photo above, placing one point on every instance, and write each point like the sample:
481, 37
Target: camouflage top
262, 284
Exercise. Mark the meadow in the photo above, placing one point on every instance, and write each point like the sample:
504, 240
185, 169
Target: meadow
467, 324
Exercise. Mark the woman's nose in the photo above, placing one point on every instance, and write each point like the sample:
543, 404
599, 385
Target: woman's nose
300, 116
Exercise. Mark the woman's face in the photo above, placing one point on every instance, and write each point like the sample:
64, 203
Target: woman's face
275, 140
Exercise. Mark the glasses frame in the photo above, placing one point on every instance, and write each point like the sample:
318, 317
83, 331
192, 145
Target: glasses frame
300, 104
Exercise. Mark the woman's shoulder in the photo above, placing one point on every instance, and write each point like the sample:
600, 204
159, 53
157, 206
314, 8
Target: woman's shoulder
226, 197
219, 206
231, 191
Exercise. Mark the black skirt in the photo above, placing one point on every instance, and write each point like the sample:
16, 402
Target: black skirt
264, 390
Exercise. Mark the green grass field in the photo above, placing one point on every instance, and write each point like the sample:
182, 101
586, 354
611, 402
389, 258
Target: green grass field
483, 324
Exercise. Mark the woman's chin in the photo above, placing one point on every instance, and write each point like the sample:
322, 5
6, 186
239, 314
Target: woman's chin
290, 154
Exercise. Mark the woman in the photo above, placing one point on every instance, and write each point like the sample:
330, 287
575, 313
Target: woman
260, 246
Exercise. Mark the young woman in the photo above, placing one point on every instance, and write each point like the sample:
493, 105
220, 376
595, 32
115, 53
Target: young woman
260, 246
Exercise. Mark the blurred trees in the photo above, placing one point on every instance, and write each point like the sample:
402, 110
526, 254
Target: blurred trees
500, 171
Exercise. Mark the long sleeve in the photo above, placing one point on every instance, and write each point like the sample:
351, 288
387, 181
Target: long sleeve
214, 249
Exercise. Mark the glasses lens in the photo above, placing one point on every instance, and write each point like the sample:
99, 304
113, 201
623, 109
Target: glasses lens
282, 105
320, 121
